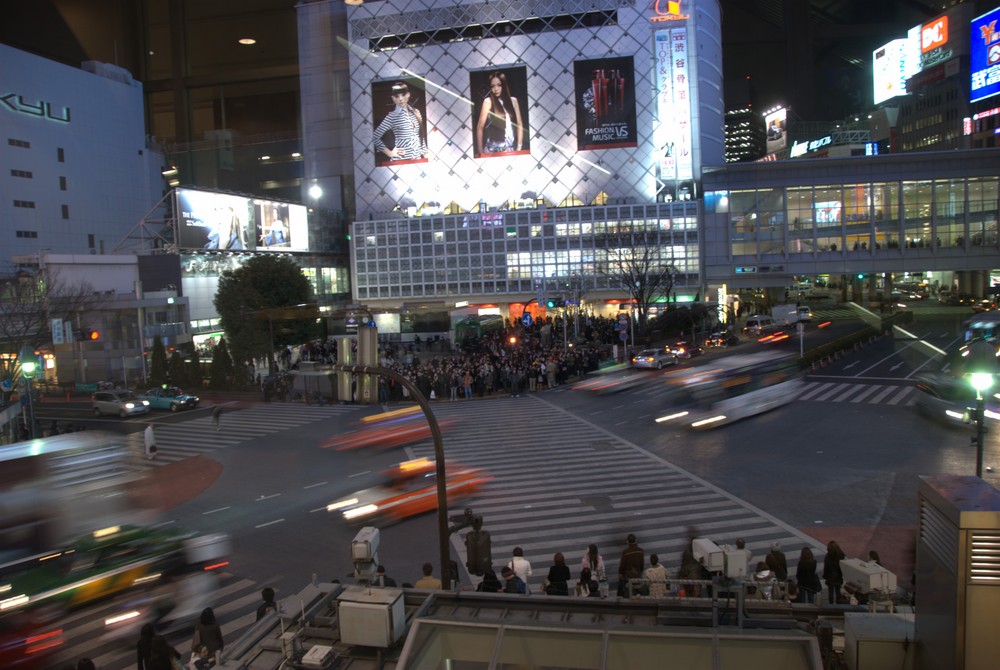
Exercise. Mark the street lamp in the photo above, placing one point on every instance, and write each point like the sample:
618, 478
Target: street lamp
28, 366
981, 381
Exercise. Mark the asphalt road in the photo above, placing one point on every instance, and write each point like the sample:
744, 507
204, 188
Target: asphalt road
570, 467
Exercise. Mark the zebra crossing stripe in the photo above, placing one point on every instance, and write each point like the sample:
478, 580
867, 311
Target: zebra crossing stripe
814, 388
836, 388
846, 394
902, 394
867, 392
881, 396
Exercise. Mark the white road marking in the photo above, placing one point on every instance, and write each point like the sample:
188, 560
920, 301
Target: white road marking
269, 523
213, 511
312, 486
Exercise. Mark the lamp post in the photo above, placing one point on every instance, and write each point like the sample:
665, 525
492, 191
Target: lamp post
28, 371
981, 381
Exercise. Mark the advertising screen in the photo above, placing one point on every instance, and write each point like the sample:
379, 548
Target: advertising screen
890, 70
775, 123
280, 226
984, 56
223, 221
399, 116
605, 103
209, 220
828, 213
500, 112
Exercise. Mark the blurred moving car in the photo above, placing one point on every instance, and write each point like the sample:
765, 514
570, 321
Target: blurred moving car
952, 400
386, 430
24, 645
170, 398
654, 359
408, 489
685, 349
118, 401
981, 305
805, 313
108, 561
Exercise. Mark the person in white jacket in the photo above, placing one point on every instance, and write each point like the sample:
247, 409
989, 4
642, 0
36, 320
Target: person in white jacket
521, 567
149, 442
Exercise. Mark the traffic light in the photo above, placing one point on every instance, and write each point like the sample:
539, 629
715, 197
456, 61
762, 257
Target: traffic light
89, 335
552, 303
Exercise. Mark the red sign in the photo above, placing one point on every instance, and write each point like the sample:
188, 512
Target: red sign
934, 34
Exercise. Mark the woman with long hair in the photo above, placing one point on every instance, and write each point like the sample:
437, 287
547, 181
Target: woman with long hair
806, 577
557, 583
832, 574
593, 561
499, 129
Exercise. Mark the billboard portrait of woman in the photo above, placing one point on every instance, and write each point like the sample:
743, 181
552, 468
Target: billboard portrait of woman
500, 112
400, 121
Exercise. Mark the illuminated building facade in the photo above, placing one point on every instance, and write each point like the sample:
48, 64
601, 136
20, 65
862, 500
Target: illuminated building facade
620, 104
745, 135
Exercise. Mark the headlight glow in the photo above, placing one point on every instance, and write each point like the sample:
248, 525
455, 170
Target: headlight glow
343, 503
360, 511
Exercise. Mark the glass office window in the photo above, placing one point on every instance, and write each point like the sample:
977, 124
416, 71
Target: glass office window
743, 222
949, 213
800, 215
828, 218
917, 199
857, 216
885, 202
983, 210
771, 218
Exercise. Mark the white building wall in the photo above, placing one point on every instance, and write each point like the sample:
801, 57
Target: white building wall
555, 170
112, 178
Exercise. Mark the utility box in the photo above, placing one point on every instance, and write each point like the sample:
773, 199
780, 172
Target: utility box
371, 617
878, 641
958, 573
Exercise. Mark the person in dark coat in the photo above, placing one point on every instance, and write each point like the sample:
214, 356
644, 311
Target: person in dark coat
559, 575
161, 654
777, 563
267, 595
832, 575
806, 577
208, 632
382, 579
632, 557
143, 647
490, 583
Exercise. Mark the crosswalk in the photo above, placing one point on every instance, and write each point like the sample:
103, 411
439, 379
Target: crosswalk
562, 482
178, 441
86, 635
902, 395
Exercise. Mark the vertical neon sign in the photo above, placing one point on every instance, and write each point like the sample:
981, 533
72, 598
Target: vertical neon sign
673, 130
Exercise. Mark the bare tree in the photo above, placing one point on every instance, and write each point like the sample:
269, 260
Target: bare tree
643, 265
28, 303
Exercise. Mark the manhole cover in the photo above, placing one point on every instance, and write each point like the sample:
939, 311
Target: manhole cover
597, 502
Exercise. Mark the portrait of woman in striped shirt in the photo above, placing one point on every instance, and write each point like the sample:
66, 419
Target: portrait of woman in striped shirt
406, 125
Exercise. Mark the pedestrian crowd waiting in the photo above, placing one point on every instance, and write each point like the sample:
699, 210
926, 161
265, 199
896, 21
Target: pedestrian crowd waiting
767, 579
479, 366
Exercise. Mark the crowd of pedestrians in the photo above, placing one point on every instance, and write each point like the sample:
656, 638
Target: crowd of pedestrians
767, 579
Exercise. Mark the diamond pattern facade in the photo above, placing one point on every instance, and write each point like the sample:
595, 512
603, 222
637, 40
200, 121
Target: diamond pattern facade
441, 43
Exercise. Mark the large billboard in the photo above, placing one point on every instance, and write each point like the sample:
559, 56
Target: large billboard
399, 116
605, 103
775, 122
500, 112
227, 222
893, 64
672, 133
984, 56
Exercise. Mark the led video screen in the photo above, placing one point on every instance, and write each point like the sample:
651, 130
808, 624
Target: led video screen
227, 222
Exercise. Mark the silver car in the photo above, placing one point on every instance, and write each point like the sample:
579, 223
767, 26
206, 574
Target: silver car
119, 401
653, 358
